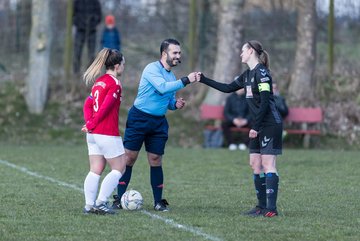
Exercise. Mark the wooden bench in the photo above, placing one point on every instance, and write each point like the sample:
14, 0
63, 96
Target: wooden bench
215, 113
304, 121
300, 120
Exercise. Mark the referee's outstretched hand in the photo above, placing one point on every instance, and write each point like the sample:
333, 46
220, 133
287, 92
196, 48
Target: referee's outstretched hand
192, 77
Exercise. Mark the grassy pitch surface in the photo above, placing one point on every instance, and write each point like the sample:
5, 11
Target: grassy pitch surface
42, 199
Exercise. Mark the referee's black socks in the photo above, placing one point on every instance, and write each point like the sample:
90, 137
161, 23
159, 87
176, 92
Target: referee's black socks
124, 181
157, 180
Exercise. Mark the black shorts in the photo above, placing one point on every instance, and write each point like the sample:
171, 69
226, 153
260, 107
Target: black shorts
268, 141
145, 128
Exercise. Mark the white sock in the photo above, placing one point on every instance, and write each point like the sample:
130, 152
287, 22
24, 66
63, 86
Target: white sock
108, 185
91, 185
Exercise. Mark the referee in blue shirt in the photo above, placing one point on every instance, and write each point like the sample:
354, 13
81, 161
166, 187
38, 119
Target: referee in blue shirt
146, 121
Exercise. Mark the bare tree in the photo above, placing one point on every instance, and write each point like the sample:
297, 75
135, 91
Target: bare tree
331, 20
68, 42
205, 35
229, 40
302, 84
192, 34
39, 59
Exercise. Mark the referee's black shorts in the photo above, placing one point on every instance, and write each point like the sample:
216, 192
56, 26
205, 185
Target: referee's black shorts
145, 128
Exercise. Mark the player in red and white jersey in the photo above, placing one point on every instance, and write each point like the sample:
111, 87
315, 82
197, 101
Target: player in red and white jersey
101, 115
102, 107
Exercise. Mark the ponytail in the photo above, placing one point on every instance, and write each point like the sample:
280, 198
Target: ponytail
107, 57
260, 52
95, 68
264, 59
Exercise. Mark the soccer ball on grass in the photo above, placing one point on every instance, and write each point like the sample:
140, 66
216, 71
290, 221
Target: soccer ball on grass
131, 200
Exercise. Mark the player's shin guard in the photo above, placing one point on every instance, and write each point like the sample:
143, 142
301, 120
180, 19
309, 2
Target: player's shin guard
157, 180
272, 184
124, 181
260, 188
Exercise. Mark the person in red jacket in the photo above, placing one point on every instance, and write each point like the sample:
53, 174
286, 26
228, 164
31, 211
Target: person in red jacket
101, 114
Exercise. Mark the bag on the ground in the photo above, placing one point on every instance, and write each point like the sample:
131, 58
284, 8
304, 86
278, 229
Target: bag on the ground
213, 138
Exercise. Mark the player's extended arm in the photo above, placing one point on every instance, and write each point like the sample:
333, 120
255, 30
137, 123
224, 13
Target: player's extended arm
223, 87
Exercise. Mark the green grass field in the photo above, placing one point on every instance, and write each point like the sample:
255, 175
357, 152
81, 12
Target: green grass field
42, 199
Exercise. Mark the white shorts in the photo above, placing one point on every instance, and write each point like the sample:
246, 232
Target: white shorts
107, 146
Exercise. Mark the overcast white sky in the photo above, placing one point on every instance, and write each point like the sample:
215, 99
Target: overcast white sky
342, 8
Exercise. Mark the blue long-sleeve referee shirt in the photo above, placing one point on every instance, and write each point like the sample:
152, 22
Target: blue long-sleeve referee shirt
157, 89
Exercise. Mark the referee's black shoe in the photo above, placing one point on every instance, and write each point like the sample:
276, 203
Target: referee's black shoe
116, 203
161, 206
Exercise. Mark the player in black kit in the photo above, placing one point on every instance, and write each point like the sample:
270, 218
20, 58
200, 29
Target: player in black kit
266, 129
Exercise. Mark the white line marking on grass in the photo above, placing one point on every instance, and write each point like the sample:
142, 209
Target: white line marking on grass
181, 226
34, 174
171, 222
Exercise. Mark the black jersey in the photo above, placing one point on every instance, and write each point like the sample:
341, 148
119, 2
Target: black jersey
259, 95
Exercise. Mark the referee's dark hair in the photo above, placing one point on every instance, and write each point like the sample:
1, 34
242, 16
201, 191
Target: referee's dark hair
165, 44
260, 52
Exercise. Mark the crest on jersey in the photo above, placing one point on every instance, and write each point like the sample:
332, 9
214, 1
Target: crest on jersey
249, 93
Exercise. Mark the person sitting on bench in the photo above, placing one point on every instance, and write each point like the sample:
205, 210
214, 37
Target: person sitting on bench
236, 114
280, 102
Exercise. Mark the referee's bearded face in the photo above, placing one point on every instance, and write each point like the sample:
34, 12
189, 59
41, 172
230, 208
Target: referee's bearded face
173, 55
